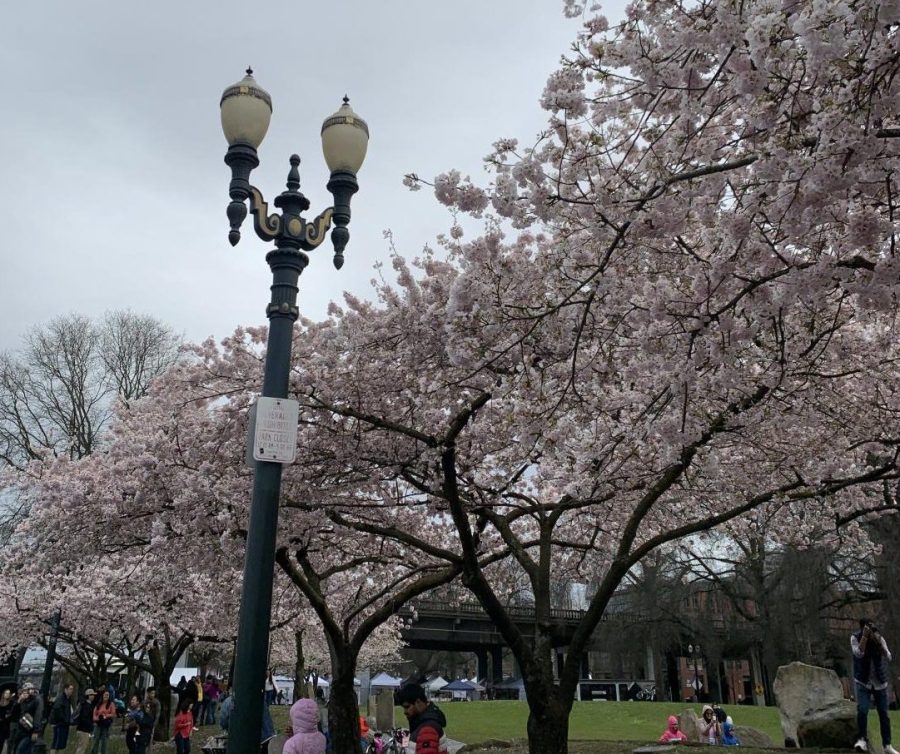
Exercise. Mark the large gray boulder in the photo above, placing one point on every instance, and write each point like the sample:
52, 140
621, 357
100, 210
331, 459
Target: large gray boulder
689, 724
812, 707
829, 729
753, 737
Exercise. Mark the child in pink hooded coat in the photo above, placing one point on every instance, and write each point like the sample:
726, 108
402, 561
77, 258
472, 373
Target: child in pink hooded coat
306, 738
671, 734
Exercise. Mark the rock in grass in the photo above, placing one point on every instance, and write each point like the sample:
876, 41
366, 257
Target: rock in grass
752, 737
812, 707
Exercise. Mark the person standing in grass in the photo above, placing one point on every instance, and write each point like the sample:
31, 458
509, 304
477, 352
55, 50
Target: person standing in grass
211, 694
31, 721
7, 709
184, 724
870, 673
104, 715
61, 718
198, 701
84, 721
271, 688
152, 702
132, 727
146, 723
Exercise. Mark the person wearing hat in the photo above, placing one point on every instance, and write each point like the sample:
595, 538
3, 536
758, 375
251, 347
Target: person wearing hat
84, 721
31, 717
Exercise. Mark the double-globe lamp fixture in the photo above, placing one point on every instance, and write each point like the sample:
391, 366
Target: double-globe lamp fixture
246, 111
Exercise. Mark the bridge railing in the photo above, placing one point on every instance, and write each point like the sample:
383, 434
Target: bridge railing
516, 612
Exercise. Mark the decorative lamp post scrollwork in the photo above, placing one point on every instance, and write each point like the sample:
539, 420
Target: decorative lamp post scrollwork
246, 110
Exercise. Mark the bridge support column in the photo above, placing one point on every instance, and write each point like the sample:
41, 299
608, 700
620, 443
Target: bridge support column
560, 660
482, 656
496, 664
585, 666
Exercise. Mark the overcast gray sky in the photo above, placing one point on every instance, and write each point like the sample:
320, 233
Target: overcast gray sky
114, 189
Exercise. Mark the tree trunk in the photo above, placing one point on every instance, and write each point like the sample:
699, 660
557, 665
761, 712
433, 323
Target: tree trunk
163, 694
343, 706
299, 667
548, 722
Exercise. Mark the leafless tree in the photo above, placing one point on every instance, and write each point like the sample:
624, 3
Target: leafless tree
57, 391
54, 394
135, 348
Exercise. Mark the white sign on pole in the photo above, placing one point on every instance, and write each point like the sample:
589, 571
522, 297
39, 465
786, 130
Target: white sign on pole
275, 435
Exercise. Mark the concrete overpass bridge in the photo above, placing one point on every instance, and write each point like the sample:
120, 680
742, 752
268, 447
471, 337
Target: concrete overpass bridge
463, 626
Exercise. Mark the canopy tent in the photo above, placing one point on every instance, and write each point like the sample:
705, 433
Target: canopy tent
462, 685
512, 683
435, 685
514, 688
323, 681
385, 681
463, 689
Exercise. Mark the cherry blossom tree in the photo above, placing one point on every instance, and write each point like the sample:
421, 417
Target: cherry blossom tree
156, 519
683, 310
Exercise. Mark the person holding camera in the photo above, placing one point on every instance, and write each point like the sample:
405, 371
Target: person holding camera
31, 720
870, 672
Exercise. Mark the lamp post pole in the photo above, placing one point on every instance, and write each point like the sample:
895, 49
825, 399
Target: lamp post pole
51, 659
246, 110
694, 649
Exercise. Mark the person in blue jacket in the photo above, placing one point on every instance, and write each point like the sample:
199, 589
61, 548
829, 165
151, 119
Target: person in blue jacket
728, 736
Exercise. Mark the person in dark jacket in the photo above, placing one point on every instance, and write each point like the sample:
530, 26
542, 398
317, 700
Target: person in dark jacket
146, 722
181, 690
7, 710
84, 721
870, 673
191, 693
31, 718
268, 727
61, 718
132, 724
426, 721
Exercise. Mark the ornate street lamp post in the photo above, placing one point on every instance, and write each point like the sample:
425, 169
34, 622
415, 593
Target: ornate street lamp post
246, 111
694, 651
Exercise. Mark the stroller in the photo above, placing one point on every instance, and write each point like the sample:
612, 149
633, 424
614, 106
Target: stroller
388, 742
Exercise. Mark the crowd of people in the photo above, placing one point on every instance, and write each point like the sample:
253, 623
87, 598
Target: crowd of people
23, 722
203, 697
714, 727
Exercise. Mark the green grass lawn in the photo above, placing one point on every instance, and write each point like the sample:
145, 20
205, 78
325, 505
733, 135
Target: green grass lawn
472, 722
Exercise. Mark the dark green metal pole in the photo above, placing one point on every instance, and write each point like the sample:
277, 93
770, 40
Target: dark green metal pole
51, 659
251, 657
